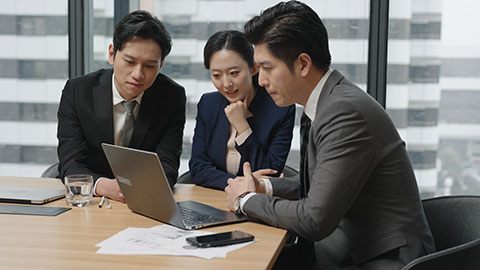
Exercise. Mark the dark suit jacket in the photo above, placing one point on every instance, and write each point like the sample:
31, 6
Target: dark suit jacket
266, 147
363, 199
85, 120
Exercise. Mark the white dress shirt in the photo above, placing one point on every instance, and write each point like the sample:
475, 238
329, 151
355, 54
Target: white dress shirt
119, 117
119, 112
233, 157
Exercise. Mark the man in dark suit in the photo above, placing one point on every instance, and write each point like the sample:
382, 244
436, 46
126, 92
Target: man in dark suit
358, 196
131, 105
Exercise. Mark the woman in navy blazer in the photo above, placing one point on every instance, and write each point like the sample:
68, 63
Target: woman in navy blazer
240, 122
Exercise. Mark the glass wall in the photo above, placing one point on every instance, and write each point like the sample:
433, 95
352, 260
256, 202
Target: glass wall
192, 22
33, 70
433, 74
34, 56
433, 91
100, 34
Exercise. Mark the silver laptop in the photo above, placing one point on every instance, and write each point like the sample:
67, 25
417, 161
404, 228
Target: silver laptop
29, 195
147, 192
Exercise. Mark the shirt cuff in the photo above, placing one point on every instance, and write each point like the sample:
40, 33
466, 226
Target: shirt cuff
241, 138
95, 186
268, 186
244, 200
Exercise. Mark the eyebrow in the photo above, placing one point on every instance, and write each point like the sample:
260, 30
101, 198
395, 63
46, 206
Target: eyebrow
264, 63
233, 67
150, 61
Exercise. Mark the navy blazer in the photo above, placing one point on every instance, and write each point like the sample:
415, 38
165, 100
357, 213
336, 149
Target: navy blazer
266, 147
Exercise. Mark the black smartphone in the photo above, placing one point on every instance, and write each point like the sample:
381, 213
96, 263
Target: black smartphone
220, 239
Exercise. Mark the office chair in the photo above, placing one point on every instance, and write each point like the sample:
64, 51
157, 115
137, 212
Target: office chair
289, 171
455, 225
51, 171
185, 178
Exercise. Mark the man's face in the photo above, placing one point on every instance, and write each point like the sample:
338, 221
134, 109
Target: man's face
136, 66
275, 76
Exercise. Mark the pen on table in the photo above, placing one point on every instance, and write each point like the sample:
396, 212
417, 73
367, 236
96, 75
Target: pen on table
107, 204
101, 202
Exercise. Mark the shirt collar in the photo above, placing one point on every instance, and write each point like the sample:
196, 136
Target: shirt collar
311, 105
117, 98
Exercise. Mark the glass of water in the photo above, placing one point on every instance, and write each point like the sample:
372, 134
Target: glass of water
79, 190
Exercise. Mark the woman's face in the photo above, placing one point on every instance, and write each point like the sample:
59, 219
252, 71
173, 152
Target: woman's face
231, 75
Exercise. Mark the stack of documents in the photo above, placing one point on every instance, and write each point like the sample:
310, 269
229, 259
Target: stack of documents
161, 240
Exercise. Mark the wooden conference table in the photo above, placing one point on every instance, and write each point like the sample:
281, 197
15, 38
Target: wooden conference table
67, 241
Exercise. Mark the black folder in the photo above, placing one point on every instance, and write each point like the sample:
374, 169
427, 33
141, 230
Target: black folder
31, 210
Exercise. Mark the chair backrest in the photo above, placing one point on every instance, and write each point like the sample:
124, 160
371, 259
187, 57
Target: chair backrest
185, 178
51, 171
289, 171
464, 257
455, 225
453, 220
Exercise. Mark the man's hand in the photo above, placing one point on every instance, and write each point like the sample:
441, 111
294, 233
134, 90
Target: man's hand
109, 188
237, 116
240, 185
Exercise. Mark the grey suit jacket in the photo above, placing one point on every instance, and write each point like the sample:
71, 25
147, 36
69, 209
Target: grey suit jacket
363, 199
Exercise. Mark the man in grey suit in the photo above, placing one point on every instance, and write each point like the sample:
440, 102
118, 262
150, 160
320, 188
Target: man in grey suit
357, 196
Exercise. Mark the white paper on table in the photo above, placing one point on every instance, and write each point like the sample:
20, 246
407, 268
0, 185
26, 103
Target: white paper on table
148, 241
160, 240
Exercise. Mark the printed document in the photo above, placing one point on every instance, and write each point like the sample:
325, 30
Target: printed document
161, 240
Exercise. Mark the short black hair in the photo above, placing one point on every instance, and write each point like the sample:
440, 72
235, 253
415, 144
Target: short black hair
142, 24
289, 29
228, 40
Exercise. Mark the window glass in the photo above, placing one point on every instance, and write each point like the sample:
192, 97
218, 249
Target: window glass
34, 62
433, 91
100, 34
33, 70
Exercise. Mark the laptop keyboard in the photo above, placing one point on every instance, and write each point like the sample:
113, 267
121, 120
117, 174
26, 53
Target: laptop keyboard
194, 217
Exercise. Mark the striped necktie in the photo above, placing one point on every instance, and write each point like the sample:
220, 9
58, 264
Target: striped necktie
129, 121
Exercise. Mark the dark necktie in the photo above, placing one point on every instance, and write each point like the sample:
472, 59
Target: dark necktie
129, 121
304, 130
305, 248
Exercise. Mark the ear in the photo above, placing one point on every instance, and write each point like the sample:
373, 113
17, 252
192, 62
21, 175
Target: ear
303, 64
161, 64
254, 70
111, 55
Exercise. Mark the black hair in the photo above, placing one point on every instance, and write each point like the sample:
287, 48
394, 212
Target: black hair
142, 24
289, 29
228, 40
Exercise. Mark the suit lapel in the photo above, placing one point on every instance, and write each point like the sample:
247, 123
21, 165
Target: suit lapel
145, 117
224, 127
258, 102
334, 78
102, 99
